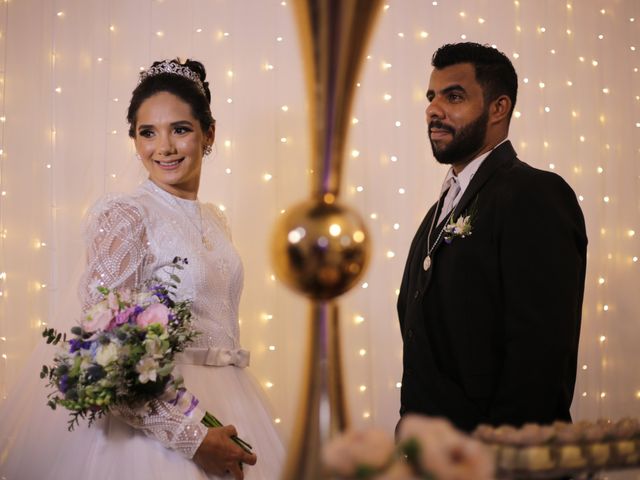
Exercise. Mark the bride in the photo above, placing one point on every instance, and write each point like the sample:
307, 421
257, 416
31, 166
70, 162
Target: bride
130, 238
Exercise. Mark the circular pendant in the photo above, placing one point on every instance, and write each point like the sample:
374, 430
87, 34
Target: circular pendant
207, 243
427, 263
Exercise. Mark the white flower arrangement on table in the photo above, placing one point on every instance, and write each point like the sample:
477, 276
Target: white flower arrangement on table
427, 448
123, 353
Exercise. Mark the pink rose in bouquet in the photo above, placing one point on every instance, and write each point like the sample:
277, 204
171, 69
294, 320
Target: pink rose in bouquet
98, 318
156, 313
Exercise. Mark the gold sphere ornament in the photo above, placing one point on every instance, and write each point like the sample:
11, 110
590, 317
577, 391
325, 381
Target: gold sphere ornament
320, 248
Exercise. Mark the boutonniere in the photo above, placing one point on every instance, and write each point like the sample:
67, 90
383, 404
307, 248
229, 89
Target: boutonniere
462, 227
459, 228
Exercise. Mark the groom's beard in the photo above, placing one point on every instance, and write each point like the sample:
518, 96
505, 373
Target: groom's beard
465, 141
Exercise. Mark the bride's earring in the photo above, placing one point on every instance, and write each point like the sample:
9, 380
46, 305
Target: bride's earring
207, 150
138, 156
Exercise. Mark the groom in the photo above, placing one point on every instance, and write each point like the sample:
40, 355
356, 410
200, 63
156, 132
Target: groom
491, 296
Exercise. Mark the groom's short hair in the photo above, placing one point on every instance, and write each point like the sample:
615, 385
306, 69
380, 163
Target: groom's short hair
494, 70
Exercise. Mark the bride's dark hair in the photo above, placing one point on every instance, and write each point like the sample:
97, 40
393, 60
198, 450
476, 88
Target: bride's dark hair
181, 86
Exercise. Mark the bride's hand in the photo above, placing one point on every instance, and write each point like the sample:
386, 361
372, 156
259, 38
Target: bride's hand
219, 454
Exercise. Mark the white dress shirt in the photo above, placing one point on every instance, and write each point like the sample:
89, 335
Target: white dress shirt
463, 180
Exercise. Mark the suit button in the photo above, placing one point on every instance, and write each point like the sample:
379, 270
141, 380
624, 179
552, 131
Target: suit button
417, 294
409, 334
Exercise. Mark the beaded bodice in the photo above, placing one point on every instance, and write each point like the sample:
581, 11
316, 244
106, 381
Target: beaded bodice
135, 237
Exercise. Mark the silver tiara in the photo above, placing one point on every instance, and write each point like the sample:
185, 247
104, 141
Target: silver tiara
167, 66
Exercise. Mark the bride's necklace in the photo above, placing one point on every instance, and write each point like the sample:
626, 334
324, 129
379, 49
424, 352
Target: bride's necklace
206, 243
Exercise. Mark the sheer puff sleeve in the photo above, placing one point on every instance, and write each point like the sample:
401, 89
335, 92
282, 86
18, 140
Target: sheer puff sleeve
117, 253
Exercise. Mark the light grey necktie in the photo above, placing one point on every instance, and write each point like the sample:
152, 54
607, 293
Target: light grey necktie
448, 205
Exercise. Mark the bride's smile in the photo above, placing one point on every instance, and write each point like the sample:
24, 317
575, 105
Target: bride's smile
170, 142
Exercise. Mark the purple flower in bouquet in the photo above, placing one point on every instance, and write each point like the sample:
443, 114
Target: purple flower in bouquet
76, 344
122, 352
63, 384
125, 315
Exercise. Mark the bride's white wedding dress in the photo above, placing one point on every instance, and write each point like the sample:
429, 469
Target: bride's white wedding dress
131, 239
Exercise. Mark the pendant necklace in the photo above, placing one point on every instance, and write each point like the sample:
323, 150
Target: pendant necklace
206, 243
427, 260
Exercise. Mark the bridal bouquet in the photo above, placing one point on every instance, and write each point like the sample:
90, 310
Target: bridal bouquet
123, 352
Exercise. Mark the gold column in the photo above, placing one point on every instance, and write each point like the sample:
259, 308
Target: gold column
320, 248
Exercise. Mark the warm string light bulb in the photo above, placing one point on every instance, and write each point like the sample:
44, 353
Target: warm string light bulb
473, 22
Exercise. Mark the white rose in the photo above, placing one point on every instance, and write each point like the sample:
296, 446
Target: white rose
105, 354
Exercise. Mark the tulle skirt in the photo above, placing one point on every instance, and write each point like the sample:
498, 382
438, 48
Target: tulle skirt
35, 443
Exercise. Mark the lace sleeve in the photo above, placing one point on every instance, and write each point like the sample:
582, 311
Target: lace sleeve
117, 251
175, 426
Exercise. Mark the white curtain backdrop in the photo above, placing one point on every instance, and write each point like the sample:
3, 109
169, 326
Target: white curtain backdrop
67, 68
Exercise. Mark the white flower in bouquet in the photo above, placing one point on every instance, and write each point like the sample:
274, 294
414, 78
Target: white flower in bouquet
435, 447
142, 298
147, 367
358, 453
98, 317
105, 354
86, 360
155, 345
122, 353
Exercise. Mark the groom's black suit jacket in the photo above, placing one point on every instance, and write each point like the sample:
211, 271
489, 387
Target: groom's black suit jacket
491, 330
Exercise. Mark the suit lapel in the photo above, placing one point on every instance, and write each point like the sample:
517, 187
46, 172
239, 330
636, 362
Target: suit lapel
501, 155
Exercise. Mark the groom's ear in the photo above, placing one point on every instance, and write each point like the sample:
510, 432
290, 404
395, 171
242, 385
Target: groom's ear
500, 109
